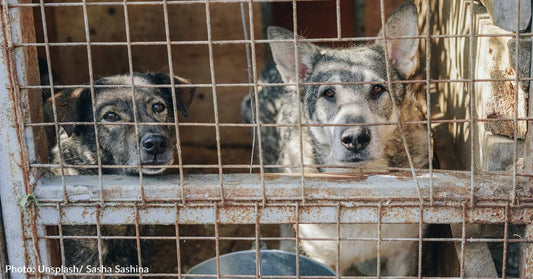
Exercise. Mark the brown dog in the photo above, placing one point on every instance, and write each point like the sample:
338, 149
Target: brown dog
118, 142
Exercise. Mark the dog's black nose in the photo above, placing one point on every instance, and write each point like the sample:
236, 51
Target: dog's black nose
155, 144
355, 139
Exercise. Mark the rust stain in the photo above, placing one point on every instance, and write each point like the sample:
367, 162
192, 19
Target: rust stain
511, 90
83, 213
491, 51
509, 71
7, 52
493, 115
342, 176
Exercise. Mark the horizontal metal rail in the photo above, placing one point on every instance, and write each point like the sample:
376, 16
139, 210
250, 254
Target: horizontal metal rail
359, 195
231, 213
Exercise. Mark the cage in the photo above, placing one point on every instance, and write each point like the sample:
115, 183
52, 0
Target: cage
469, 210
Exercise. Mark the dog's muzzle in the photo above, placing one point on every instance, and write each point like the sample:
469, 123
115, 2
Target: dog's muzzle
355, 139
155, 145
351, 144
155, 151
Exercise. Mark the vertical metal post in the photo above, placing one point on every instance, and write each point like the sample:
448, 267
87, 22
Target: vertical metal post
526, 264
13, 178
3, 252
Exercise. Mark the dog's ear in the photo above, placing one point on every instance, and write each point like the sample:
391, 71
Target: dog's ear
403, 53
283, 53
184, 95
72, 105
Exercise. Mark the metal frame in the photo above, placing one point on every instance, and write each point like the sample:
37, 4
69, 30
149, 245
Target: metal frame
407, 195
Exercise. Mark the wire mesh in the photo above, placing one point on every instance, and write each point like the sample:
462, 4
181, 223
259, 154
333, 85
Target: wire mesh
201, 213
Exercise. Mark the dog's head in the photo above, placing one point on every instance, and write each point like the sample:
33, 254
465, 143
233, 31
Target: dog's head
356, 104
118, 135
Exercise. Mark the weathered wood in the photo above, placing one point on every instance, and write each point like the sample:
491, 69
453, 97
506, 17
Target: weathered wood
493, 58
28, 74
504, 13
315, 19
146, 24
373, 14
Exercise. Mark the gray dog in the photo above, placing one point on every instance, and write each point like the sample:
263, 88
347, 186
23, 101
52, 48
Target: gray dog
118, 146
118, 142
328, 102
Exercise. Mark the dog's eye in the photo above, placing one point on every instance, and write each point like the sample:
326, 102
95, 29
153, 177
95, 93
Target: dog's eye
111, 116
329, 94
377, 90
158, 107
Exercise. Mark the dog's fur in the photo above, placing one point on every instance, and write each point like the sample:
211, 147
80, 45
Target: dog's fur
359, 146
118, 146
118, 143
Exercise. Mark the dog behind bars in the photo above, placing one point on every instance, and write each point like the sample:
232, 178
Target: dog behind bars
328, 101
117, 140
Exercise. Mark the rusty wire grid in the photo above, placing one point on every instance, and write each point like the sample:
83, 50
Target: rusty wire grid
191, 211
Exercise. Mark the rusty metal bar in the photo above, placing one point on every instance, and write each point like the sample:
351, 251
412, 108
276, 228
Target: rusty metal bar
138, 239
322, 196
93, 93
338, 254
153, 3
52, 93
449, 187
257, 241
526, 249
216, 222
387, 239
515, 108
134, 103
15, 176
412, 81
297, 240
298, 94
379, 210
428, 101
174, 97
260, 41
461, 252
471, 88
243, 84
206, 124
23, 64
215, 98
505, 241
61, 238
254, 99
97, 216
178, 244
393, 98
421, 229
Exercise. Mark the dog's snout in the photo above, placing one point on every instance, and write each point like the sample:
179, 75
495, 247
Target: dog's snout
355, 139
155, 144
